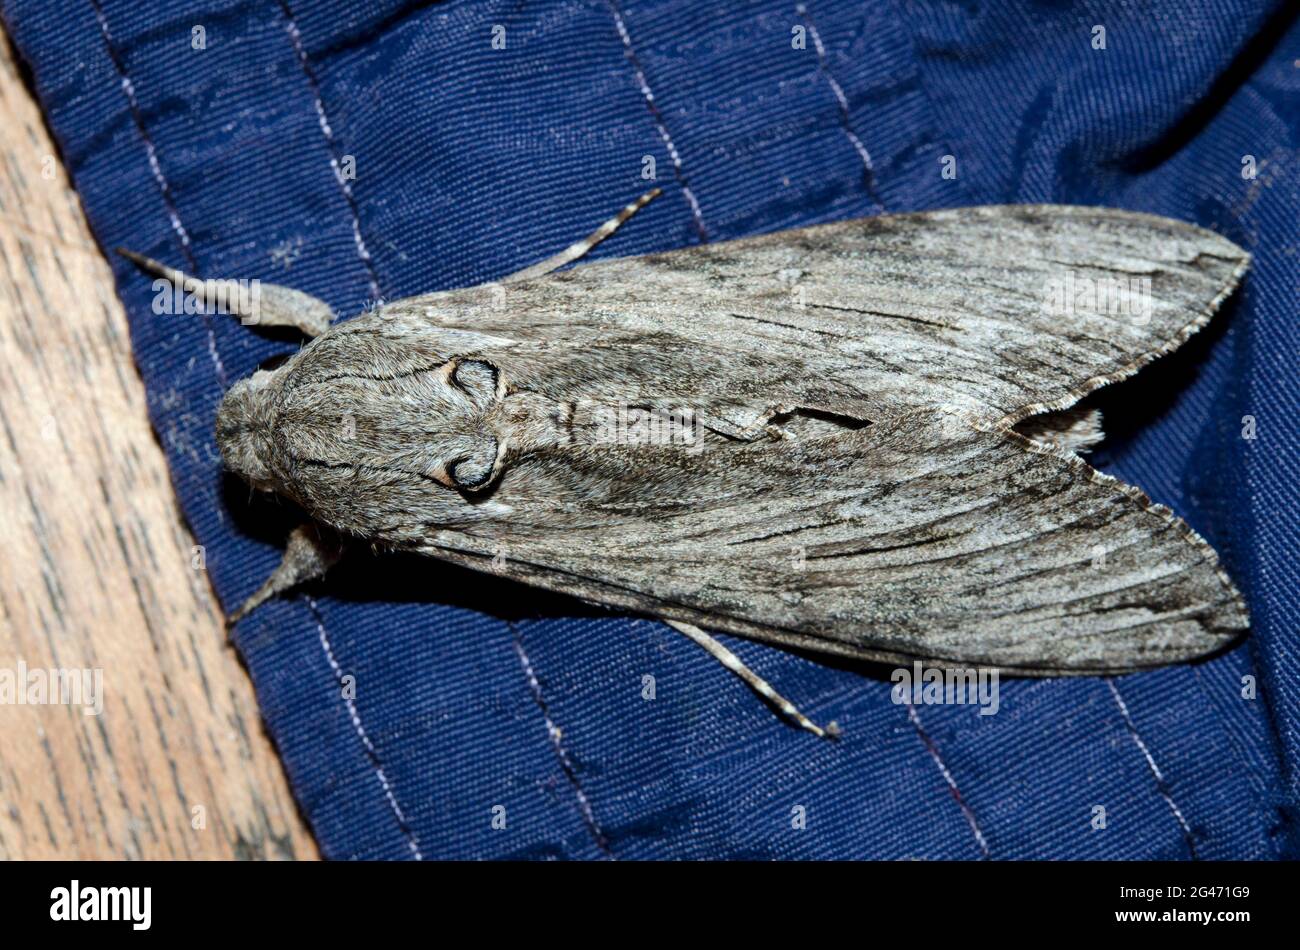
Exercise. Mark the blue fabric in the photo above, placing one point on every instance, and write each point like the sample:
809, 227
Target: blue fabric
472, 161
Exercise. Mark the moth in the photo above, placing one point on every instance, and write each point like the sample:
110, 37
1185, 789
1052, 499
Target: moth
856, 439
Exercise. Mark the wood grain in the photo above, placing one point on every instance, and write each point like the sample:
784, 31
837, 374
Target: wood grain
96, 569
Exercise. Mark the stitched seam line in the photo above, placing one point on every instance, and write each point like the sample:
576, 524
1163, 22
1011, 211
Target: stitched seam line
1161, 785
846, 124
151, 153
696, 215
323, 117
371, 753
566, 764
952, 783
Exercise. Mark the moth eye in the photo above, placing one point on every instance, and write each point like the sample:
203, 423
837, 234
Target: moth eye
477, 379
471, 472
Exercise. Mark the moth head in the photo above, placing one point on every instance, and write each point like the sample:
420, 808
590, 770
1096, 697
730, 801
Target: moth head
244, 430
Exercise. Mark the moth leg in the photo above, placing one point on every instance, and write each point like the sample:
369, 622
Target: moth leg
754, 681
309, 553
575, 251
254, 302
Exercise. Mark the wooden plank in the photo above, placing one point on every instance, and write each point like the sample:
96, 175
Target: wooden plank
95, 570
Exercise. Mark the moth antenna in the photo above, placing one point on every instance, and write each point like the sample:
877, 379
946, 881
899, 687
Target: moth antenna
575, 251
254, 302
754, 681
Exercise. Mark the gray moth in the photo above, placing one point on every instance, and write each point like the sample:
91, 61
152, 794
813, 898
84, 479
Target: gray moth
856, 438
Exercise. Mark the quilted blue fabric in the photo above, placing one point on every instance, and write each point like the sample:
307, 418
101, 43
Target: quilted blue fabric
486, 135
